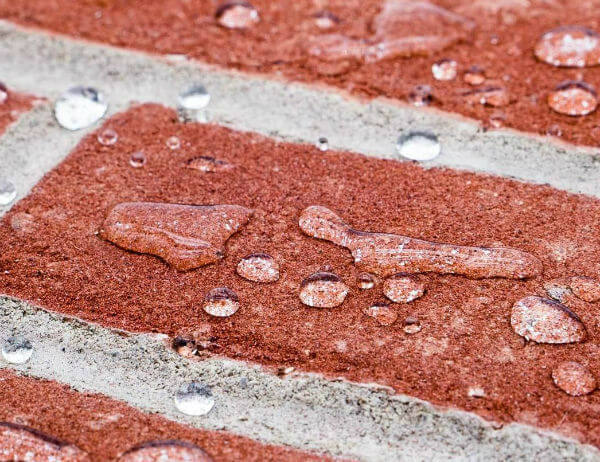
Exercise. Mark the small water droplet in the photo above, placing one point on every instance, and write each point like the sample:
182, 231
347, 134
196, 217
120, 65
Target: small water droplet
79, 107
326, 20
445, 69
237, 15
323, 144
323, 290
17, 350
574, 378
497, 119
221, 302
569, 46
382, 313
208, 164
192, 104
366, 281
476, 392
475, 75
173, 143
8, 192
258, 267
194, 398
554, 130
163, 451
137, 159
420, 95
488, 96
402, 288
419, 146
574, 98
107, 137
411, 325
3, 93
22, 222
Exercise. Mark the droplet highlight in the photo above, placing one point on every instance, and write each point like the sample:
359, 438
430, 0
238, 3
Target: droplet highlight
574, 378
402, 288
79, 107
420, 146
323, 290
192, 104
221, 302
195, 399
17, 350
573, 98
258, 267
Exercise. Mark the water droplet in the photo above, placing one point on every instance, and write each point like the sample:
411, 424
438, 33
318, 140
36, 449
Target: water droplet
17, 350
446, 69
569, 46
554, 130
221, 302
108, 137
474, 76
558, 289
323, 144
323, 290
488, 96
386, 254
546, 321
137, 159
326, 20
173, 143
382, 313
185, 236
336, 47
419, 146
412, 325
573, 98
402, 288
21, 443
237, 15
184, 347
208, 164
194, 398
3, 93
497, 119
420, 95
22, 222
258, 267
192, 104
476, 392
8, 192
163, 451
585, 288
79, 107
574, 378
366, 281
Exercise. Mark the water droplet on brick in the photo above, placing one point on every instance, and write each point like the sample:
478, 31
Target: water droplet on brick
474, 76
558, 289
173, 143
138, 159
488, 96
79, 107
382, 312
22, 222
323, 290
17, 350
554, 130
420, 95
569, 46
194, 398
163, 451
208, 164
573, 98
107, 137
323, 144
419, 146
574, 378
411, 325
446, 69
387, 254
326, 20
221, 302
8, 192
546, 321
402, 288
237, 15
366, 281
185, 236
585, 288
259, 267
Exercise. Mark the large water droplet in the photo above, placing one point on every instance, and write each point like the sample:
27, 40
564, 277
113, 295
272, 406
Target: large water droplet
194, 398
386, 254
382, 312
107, 137
574, 378
165, 451
323, 290
79, 107
546, 321
17, 350
8, 192
420, 95
192, 104
258, 267
185, 236
569, 46
402, 288
221, 302
208, 164
446, 69
573, 98
419, 146
237, 14
585, 288
138, 159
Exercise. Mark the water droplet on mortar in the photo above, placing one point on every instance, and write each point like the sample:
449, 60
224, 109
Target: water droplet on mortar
8, 192
194, 398
421, 146
79, 107
17, 350
192, 104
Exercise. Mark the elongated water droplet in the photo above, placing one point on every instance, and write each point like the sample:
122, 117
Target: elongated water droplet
402, 288
107, 137
8, 192
474, 76
79, 107
585, 288
366, 281
573, 98
323, 290
488, 96
17, 350
323, 144
419, 146
412, 325
165, 451
569, 46
173, 143
194, 398
574, 378
208, 164
185, 236
546, 321
446, 69
237, 14
382, 312
258, 267
221, 302
138, 159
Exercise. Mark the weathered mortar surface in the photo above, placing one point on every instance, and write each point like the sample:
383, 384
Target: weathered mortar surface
303, 411
289, 111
